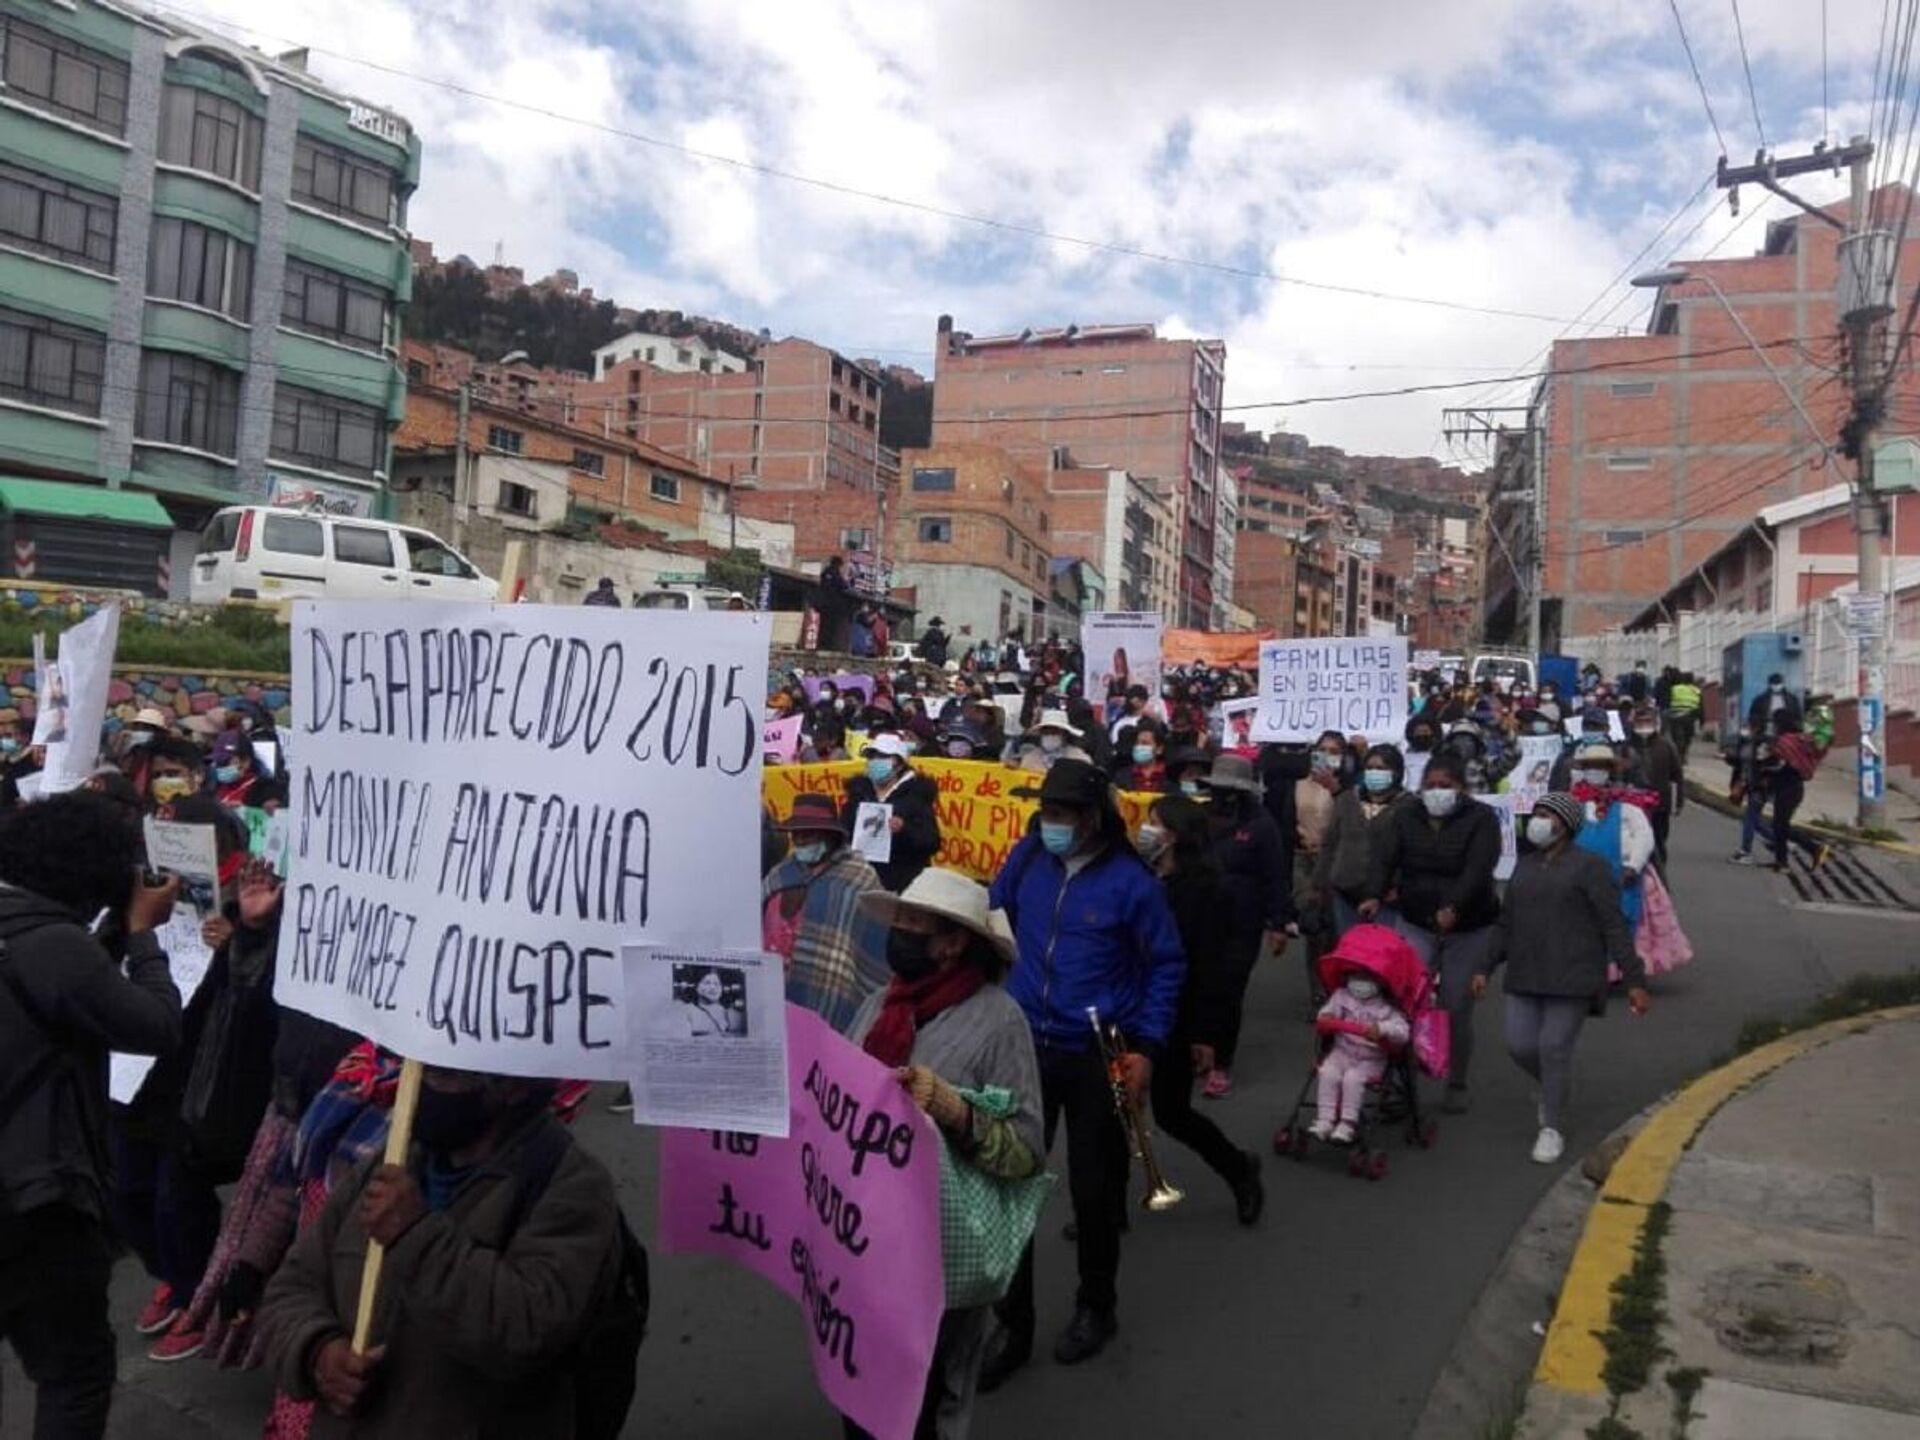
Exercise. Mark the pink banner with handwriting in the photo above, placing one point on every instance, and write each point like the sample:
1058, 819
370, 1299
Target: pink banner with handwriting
843, 1215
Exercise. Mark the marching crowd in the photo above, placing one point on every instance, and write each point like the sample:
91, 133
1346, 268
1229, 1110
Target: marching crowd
516, 1289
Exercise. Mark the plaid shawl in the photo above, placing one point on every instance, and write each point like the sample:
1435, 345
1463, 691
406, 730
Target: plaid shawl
839, 951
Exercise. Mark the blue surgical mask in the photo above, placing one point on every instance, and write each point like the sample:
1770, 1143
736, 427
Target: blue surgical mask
1189, 787
1377, 781
1323, 761
9, 745
879, 768
812, 853
1143, 754
226, 774
1057, 838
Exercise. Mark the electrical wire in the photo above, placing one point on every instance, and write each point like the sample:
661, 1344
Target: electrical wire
854, 192
1694, 65
1752, 95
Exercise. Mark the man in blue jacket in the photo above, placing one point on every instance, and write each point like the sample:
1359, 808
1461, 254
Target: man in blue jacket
1092, 928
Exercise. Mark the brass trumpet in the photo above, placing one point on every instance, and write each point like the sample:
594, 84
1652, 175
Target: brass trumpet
1161, 1195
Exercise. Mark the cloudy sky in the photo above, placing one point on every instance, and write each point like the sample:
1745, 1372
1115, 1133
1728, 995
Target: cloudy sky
1506, 154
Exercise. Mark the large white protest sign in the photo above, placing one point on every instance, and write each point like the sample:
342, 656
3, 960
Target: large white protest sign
709, 1038
490, 802
1352, 685
188, 960
75, 690
1122, 648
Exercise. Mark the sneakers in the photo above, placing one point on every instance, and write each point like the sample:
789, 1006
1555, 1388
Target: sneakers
1342, 1134
1320, 1129
1219, 1085
622, 1102
159, 1314
1249, 1195
1548, 1146
1740, 857
179, 1343
1086, 1335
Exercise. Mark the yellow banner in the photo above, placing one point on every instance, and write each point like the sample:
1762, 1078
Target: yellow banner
981, 819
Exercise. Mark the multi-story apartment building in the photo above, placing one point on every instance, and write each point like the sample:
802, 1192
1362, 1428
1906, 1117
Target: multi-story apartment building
1118, 396
1660, 447
203, 257
973, 540
1125, 526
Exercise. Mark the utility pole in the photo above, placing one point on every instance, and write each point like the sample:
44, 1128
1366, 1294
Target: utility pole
459, 536
1864, 300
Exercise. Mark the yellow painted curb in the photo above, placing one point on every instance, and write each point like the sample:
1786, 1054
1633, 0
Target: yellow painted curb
1572, 1357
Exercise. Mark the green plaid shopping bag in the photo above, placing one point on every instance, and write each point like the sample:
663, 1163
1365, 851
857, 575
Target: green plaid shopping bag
985, 1222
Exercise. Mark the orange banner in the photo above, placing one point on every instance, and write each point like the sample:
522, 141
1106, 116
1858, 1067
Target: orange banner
1208, 647
981, 819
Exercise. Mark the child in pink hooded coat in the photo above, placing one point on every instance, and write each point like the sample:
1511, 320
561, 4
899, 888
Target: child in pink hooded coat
1364, 1025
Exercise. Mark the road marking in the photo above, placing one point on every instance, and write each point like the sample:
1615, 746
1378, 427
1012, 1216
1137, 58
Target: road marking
1572, 1358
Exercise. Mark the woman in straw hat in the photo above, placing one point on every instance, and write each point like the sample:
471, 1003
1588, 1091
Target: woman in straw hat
945, 1025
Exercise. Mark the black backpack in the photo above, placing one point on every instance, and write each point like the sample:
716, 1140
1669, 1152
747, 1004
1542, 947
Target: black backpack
604, 1358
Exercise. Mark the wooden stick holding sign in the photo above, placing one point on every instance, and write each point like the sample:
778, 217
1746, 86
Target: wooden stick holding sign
399, 1137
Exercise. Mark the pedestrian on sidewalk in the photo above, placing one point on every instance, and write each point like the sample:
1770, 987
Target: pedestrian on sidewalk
1177, 843
1560, 928
964, 1052
1774, 769
64, 1004
1434, 870
1091, 927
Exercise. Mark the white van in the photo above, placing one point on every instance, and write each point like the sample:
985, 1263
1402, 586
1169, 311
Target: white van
259, 552
689, 595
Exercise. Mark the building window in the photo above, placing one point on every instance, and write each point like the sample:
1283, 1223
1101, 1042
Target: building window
511, 442
932, 479
833, 402
517, 500
321, 302
45, 363
1624, 537
592, 462
198, 266
342, 183
52, 73
855, 538
1629, 462
1007, 536
210, 133
187, 401
664, 487
61, 221
314, 429
416, 373
363, 545
936, 529
1631, 389
871, 419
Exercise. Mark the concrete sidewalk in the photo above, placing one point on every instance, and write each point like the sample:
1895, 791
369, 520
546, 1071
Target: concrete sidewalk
1832, 802
1790, 1184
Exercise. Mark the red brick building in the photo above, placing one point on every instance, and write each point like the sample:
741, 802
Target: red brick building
971, 539
1117, 396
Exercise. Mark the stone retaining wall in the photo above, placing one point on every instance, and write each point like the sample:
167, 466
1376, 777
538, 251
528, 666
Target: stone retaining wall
180, 693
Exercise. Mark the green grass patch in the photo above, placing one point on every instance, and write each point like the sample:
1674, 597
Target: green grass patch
1858, 996
1632, 1337
230, 638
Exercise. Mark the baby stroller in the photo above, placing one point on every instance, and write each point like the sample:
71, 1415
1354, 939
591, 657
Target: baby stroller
1395, 1097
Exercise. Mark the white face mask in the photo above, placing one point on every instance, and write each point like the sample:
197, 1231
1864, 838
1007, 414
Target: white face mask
1596, 778
1541, 832
1051, 742
1362, 988
1151, 841
1439, 802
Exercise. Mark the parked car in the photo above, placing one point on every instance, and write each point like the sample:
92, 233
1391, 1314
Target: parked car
259, 552
689, 595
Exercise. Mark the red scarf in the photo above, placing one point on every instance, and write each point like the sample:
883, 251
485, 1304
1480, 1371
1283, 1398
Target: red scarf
912, 1003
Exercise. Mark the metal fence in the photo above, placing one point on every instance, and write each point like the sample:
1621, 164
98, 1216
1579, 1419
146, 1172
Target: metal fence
1829, 653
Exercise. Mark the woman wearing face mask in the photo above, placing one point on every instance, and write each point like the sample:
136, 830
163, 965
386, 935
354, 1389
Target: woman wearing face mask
1422, 734
964, 1051
1346, 856
1054, 739
175, 770
889, 780
1618, 829
236, 773
1559, 930
1145, 745
1177, 843
1259, 874
810, 915
1434, 866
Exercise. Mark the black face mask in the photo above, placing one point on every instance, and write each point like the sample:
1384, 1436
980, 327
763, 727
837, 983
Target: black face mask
450, 1120
910, 954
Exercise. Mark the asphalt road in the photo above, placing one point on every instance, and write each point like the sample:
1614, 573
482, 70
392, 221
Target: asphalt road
1332, 1318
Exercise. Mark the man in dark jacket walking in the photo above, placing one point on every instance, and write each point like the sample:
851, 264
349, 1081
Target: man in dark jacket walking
1092, 928
64, 1004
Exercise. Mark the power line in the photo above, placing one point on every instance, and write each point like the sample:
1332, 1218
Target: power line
921, 207
1718, 503
1694, 65
1752, 95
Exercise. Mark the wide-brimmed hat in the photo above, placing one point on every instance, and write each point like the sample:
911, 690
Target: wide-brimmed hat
813, 812
1595, 755
1569, 811
949, 895
154, 718
1186, 757
1056, 720
888, 742
1233, 772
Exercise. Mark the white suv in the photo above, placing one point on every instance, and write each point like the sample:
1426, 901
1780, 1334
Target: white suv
259, 552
